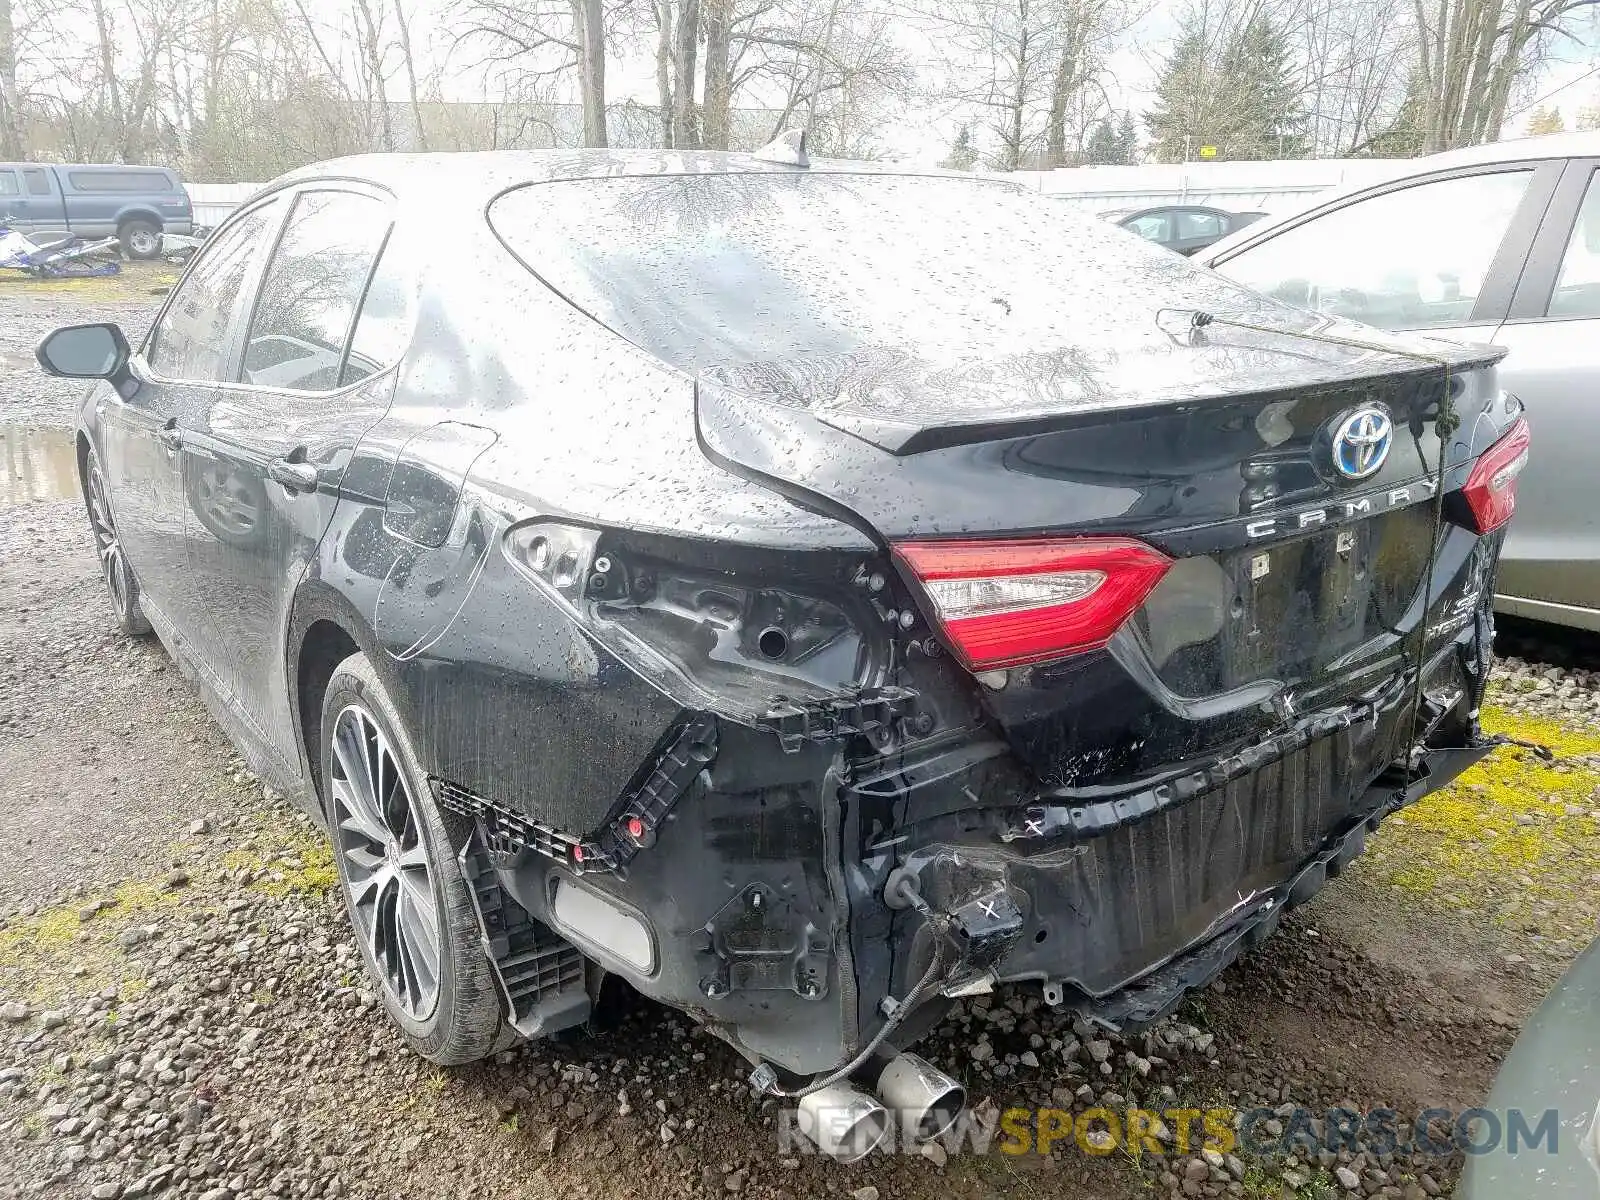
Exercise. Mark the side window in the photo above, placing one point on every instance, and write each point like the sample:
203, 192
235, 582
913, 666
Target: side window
383, 330
312, 288
1406, 259
191, 341
1577, 292
8, 183
1152, 227
97, 180
38, 183
1199, 225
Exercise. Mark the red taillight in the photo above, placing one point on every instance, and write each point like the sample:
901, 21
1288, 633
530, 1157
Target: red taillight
1491, 489
1003, 603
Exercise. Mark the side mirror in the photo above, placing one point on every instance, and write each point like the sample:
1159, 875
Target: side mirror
84, 352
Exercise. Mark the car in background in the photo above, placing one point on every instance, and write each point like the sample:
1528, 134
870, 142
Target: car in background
1497, 243
1186, 228
136, 205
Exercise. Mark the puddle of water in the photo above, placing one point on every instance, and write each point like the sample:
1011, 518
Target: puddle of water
36, 464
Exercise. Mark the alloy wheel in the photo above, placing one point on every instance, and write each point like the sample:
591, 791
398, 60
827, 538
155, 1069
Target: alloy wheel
386, 875
143, 242
113, 564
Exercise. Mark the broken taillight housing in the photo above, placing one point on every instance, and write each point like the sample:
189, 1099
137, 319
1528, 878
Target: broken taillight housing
1491, 489
1007, 602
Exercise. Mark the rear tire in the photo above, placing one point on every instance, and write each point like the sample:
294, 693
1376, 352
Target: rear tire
140, 239
411, 911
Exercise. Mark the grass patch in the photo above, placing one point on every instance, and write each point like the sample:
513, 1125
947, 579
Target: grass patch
133, 283
38, 953
1512, 823
307, 869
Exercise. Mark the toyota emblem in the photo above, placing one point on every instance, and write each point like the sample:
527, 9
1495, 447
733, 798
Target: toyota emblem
1361, 441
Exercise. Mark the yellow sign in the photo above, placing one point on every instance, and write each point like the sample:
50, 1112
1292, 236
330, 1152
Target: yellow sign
1208, 151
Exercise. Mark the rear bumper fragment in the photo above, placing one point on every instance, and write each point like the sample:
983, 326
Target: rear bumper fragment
761, 882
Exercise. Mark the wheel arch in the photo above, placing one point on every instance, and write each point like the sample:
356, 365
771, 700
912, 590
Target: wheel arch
139, 213
83, 448
324, 629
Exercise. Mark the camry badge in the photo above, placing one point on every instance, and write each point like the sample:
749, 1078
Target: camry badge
1361, 441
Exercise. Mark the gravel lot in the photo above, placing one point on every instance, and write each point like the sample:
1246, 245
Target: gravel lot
182, 1014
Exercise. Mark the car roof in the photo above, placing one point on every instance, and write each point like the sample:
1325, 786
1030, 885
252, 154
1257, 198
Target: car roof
1155, 208
1579, 144
484, 173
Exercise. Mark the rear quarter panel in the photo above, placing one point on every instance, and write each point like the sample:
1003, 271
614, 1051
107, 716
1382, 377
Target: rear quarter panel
1552, 550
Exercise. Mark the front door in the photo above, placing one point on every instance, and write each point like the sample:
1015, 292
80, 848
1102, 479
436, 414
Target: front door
264, 458
138, 435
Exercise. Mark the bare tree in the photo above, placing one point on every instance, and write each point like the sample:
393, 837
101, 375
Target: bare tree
408, 60
833, 69
10, 97
1470, 53
543, 42
686, 37
590, 22
369, 48
718, 82
662, 10
1355, 57
1028, 72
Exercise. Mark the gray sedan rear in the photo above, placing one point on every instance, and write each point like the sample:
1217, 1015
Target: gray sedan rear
1496, 243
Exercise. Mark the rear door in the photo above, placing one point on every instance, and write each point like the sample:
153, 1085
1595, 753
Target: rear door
1551, 565
1196, 228
265, 456
1154, 226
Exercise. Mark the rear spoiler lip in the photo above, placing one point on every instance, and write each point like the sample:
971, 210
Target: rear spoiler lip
901, 438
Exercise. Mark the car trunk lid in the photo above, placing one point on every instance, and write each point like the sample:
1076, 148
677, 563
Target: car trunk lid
1292, 584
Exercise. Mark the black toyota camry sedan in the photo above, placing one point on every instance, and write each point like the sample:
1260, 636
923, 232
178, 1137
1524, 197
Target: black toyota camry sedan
809, 592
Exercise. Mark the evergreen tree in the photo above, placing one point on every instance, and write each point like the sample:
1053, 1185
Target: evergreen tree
1259, 86
1243, 101
962, 156
1103, 148
1546, 120
1182, 97
1127, 139
1113, 144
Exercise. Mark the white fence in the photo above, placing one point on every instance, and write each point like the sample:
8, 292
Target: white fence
214, 201
1271, 186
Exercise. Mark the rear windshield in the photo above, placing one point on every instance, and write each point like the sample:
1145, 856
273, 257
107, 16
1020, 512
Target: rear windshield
120, 181
719, 269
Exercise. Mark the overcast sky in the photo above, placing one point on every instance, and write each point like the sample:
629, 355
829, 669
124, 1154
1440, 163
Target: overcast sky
923, 132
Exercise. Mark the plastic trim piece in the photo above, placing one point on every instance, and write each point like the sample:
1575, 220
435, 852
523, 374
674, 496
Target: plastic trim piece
868, 711
540, 974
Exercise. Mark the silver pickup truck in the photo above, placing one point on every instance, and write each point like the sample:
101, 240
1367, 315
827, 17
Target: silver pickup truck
134, 204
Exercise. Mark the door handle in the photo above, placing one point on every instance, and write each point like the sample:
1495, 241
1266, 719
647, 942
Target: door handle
294, 476
171, 436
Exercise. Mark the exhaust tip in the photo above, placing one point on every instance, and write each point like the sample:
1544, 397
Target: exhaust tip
845, 1124
926, 1099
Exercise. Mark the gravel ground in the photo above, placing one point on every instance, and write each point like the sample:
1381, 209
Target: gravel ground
182, 1013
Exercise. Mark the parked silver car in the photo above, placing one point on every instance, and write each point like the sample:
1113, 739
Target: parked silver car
1497, 243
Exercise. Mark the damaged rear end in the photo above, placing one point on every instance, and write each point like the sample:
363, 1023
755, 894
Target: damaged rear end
1122, 648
